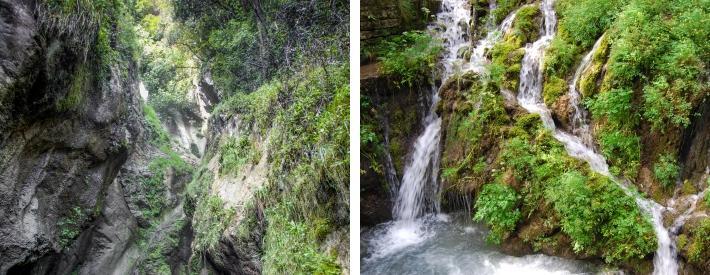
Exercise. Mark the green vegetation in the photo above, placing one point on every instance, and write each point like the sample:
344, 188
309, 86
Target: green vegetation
554, 88
210, 219
75, 95
167, 66
505, 7
531, 176
110, 17
297, 241
600, 217
497, 206
70, 226
158, 136
154, 186
698, 251
236, 152
666, 170
652, 71
156, 260
410, 56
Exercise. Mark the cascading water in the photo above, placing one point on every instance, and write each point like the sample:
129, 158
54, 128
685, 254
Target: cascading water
478, 60
529, 97
578, 118
415, 196
420, 240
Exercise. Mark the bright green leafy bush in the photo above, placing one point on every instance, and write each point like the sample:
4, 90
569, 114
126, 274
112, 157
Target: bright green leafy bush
497, 206
666, 170
598, 216
410, 56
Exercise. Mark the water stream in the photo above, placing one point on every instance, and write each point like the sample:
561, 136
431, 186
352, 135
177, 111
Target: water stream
529, 97
420, 240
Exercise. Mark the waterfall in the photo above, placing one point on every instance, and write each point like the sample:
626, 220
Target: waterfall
529, 97
419, 191
478, 59
578, 118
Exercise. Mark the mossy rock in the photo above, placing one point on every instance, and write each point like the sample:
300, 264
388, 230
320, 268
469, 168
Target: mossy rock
554, 88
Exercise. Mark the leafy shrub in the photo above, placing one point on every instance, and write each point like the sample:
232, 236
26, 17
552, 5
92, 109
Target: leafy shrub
698, 248
615, 106
410, 56
598, 216
497, 206
666, 170
559, 56
663, 106
585, 20
622, 150
572, 198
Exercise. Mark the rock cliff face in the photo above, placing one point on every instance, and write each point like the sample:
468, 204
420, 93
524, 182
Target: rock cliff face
380, 19
64, 135
74, 154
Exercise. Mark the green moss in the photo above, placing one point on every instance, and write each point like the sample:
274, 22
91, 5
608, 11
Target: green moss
75, 95
554, 88
527, 23
508, 54
560, 55
504, 8
154, 186
158, 136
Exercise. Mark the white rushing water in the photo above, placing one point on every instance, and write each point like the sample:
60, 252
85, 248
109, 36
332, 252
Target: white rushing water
478, 60
529, 97
454, 245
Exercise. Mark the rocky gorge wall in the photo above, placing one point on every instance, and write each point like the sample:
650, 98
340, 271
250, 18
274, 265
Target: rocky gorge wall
84, 182
64, 136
